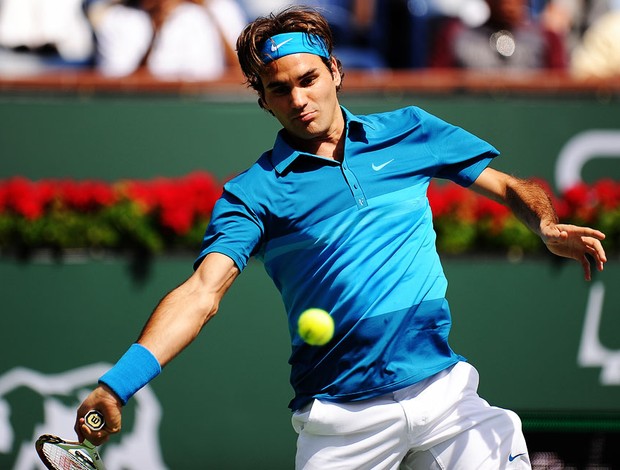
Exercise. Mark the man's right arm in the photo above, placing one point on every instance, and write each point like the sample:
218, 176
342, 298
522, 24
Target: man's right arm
173, 325
180, 315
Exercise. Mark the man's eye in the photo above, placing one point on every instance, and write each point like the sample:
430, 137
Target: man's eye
308, 81
280, 91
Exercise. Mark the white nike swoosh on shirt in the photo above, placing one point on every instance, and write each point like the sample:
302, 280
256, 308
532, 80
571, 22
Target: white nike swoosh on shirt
275, 47
382, 166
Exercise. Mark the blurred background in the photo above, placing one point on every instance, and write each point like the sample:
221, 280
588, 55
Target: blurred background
120, 121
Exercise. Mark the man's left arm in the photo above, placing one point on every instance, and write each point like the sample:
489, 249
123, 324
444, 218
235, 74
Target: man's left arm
532, 205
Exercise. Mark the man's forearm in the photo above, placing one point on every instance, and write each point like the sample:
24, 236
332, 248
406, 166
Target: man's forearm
530, 203
180, 315
175, 323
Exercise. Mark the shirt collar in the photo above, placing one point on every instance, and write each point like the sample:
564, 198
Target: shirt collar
283, 155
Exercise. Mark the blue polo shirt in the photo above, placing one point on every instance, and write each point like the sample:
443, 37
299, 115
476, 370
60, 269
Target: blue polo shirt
354, 238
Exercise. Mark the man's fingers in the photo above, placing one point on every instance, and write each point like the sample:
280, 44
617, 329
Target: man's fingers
595, 249
94, 437
587, 271
581, 231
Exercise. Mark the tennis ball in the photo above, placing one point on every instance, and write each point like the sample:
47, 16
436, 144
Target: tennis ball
315, 326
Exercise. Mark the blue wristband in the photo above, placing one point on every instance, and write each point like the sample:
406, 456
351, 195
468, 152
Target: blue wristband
134, 370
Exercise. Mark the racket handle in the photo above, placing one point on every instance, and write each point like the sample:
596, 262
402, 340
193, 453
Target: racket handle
94, 420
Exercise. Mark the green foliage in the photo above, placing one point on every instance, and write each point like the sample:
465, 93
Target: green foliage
151, 217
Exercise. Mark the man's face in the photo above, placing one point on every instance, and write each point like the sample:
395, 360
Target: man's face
300, 91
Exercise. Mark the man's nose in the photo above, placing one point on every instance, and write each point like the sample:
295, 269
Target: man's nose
298, 97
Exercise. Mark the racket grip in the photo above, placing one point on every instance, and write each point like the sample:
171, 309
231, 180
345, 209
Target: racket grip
94, 420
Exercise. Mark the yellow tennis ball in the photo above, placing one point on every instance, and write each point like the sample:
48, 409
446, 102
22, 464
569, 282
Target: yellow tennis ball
315, 326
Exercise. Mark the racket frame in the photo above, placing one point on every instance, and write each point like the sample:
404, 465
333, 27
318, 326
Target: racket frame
84, 453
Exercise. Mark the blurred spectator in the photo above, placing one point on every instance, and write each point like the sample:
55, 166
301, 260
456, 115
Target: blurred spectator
374, 34
408, 26
356, 31
256, 8
471, 12
510, 39
572, 18
37, 35
401, 27
174, 39
598, 54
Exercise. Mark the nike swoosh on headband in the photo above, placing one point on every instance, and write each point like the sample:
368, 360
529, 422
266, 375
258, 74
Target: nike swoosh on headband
285, 44
275, 47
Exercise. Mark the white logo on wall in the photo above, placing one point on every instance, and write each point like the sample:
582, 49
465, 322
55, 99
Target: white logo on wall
61, 394
579, 150
592, 353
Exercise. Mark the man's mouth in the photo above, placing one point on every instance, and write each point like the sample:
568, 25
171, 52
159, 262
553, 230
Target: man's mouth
306, 117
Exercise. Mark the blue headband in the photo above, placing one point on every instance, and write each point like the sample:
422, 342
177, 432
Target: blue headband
285, 44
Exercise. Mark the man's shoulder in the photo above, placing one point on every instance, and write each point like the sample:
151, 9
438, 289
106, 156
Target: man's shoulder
405, 117
263, 167
380, 114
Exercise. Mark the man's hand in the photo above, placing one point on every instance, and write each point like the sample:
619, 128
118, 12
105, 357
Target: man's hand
107, 403
572, 241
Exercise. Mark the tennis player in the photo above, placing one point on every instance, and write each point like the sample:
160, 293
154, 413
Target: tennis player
337, 211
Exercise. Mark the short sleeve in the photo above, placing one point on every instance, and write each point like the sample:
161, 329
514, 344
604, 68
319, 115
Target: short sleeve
234, 230
461, 156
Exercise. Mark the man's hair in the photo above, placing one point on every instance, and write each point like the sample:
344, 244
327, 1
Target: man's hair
293, 19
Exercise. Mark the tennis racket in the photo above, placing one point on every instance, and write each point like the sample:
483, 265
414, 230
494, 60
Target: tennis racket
58, 454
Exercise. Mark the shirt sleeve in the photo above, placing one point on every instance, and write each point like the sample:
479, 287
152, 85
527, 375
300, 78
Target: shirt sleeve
460, 155
234, 229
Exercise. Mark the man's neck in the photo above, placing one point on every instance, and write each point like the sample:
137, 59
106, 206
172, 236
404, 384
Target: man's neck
328, 146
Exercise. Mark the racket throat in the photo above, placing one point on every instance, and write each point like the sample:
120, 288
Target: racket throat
92, 460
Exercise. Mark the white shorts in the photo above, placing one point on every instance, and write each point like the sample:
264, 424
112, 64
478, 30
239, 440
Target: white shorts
439, 423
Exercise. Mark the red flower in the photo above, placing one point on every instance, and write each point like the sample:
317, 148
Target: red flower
607, 193
139, 192
26, 198
581, 202
577, 195
177, 200
204, 191
488, 209
445, 198
4, 195
85, 195
563, 209
175, 206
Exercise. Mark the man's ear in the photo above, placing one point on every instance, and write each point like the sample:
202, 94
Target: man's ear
336, 72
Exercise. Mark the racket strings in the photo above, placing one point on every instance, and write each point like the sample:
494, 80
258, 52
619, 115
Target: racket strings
63, 459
